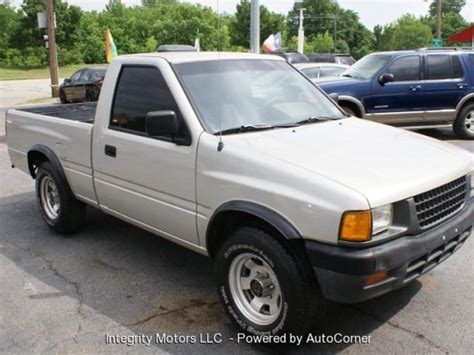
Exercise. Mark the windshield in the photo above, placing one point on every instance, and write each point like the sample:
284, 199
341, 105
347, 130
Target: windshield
235, 93
366, 67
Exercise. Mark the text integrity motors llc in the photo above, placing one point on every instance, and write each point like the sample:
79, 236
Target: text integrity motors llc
217, 338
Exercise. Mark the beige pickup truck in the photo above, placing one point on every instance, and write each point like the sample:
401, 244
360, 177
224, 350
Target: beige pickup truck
242, 158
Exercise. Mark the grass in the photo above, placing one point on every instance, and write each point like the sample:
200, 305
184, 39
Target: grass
38, 73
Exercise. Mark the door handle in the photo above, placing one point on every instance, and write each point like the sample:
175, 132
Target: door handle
110, 151
415, 88
462, 85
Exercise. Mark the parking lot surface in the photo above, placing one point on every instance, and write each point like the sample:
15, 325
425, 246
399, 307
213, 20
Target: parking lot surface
111, 279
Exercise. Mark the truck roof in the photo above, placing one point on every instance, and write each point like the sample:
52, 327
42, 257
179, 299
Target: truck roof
183, 57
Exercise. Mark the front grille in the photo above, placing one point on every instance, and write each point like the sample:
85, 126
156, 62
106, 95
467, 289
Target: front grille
428, 261
440, 203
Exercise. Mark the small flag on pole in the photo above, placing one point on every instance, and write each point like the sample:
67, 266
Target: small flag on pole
110, 47
272, 43
197, 42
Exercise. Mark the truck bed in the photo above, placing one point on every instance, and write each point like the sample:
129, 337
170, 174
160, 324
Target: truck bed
83, 112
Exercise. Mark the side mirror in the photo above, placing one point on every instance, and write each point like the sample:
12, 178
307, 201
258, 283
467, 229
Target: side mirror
335, 97
67, 81
161, 123
386, 78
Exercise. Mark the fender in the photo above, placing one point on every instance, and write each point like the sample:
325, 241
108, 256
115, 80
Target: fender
354, 101
463, 101
49, 154
280, 223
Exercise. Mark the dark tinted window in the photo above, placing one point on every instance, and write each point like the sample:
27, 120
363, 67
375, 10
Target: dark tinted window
405, 69
141, 90
87, 75
443, 66
76, 75
98, 73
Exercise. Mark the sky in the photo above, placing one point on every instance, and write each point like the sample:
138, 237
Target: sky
371, 12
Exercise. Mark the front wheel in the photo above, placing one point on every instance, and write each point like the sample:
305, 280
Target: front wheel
62, 97
58, 205
265, 286
464, 124
349, 111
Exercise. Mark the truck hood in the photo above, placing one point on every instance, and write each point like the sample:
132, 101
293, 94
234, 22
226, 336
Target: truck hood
383, 163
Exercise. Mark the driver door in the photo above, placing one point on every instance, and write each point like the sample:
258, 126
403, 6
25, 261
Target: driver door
399, 102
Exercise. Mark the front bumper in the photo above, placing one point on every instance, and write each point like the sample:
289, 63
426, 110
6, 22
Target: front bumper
342, 272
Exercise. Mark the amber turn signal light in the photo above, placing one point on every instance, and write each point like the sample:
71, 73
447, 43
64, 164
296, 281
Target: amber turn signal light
376, 278
356, 226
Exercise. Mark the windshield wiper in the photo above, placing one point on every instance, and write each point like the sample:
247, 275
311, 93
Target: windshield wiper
347, 75
314, 119
245, 128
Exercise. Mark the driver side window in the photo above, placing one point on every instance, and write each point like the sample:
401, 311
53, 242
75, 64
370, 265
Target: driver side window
76, 75
405, 69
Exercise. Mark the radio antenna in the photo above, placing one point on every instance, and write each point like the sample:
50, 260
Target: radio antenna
220, 145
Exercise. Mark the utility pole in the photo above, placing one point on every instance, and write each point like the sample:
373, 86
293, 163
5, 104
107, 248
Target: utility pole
301, 32
53, 57
335, 26
255, 26
438, 18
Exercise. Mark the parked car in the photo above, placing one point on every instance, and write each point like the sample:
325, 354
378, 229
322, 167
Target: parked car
294, 201
344, 59
321, 71
293, 58
83, 85
411, 89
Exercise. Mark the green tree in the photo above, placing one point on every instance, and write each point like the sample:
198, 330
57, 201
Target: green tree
453, 6
407, 32
319, 19
8, 21
239, 25
452, 21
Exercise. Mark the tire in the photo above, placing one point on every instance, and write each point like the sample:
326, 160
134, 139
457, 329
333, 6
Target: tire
61, 211
62, 97
349, 111
283, 286
464, 124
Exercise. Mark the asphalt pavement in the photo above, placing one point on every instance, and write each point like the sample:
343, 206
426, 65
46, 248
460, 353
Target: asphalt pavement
77, 294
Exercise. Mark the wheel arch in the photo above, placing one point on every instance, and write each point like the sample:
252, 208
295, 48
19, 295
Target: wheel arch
233, 213
39, 153
353, 104
466, 100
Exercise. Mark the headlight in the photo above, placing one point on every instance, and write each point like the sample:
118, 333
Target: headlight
360, 226
381, 218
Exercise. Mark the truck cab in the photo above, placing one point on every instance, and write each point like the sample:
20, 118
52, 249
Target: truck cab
411, 89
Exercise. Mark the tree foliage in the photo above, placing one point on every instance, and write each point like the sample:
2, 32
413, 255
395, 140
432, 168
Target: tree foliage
239, 25
452, 21
80, 34
407, 32
352, 36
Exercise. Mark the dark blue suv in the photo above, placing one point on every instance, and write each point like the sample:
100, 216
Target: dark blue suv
414, 89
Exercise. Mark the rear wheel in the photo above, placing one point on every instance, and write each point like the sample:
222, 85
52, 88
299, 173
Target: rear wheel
464, 124
265, 286
59, 208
